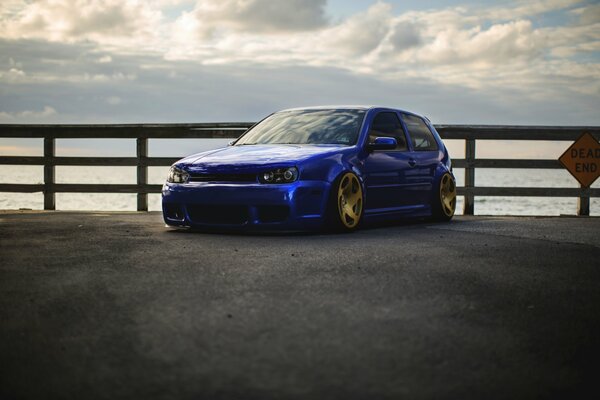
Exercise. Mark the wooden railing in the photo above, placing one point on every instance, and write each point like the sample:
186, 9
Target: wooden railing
470, 133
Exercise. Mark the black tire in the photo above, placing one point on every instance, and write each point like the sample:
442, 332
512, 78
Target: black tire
443, 203
345, 206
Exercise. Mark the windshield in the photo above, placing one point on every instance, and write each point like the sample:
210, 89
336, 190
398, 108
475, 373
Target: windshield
307, 127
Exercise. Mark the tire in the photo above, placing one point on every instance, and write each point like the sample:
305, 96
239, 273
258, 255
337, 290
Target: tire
444, 199
345, 208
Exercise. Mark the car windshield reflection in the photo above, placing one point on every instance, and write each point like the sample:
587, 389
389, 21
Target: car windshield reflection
340, 127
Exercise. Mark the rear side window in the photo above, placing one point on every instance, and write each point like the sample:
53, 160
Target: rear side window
387, 124
421, 136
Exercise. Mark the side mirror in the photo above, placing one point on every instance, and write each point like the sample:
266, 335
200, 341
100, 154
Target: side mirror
383, 143
230, 143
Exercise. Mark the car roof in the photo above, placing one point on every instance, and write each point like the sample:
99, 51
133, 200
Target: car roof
350, 107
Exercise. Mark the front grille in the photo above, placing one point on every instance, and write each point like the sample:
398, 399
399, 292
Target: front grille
199, 177
218, 214
273, 213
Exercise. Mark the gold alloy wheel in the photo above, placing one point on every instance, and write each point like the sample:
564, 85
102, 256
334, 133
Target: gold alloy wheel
349, 200
448, 195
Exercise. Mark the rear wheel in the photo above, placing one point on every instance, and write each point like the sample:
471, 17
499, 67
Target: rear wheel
346, 203
444, 203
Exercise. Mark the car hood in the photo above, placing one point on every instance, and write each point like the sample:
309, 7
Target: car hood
257, 155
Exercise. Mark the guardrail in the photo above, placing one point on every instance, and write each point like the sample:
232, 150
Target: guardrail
470, 133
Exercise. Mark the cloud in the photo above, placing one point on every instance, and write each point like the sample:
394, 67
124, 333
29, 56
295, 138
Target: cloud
497, 45
588, 14
264, 16
13, 75
361, 33
27, 116
74, 20
208, 93
114, 100
181, 60
455, 45
529, 8
405, 36
105, 59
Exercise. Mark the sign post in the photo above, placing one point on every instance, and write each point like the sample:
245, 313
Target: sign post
582, 160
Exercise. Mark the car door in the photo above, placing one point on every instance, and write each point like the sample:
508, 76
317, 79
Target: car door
389, 174
425, 152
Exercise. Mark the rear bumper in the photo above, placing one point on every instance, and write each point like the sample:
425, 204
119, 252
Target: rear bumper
299, 205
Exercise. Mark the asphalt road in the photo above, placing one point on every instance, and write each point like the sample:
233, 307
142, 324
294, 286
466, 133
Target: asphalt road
108, 306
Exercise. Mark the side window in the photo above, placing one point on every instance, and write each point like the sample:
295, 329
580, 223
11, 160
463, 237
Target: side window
388, 124
421, 136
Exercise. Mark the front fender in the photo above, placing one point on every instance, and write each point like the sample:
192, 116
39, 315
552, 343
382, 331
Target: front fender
329, 168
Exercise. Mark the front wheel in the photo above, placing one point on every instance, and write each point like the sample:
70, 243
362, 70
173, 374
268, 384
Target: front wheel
444, 200
346, 203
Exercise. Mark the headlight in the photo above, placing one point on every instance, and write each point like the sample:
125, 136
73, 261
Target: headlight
280, 175
177, 175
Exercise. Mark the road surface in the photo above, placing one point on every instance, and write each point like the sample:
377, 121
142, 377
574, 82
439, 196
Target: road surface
115, 305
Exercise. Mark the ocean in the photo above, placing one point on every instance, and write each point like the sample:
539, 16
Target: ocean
484, 205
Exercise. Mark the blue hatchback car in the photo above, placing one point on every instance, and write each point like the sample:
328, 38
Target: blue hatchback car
320, 167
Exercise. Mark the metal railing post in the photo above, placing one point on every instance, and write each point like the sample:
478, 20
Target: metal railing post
49, 169
142, 173
469, 204
583, 203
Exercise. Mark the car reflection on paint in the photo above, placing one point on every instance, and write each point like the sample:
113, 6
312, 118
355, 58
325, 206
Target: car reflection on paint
311, 168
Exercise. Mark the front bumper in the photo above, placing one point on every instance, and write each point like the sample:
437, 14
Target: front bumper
299, 205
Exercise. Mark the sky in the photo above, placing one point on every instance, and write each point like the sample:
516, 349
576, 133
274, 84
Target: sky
456, 61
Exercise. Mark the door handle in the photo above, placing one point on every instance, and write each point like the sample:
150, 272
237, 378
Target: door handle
412, 162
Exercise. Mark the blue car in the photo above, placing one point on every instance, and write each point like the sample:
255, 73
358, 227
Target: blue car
312, 168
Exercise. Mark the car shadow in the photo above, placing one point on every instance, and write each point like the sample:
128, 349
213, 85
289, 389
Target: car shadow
371, 226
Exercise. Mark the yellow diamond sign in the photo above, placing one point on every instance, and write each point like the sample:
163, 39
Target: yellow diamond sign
582, 159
